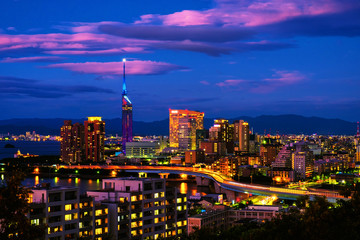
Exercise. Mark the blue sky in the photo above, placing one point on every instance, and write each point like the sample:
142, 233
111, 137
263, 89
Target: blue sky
227, 58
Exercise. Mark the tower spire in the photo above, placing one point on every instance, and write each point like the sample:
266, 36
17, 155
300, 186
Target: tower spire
357, 131
124, 90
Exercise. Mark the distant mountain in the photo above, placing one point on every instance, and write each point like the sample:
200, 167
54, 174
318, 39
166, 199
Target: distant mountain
282, 124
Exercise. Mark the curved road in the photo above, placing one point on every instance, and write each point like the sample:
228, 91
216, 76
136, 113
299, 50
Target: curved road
220, 179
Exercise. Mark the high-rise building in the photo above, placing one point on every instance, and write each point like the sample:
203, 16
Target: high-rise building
241, 136
302, 161
94, 139
183, 125
127, 119
223, 132
72, 142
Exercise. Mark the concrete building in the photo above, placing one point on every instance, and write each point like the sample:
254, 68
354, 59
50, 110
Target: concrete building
142, 208
283, 159
194, 156
230, 217
66, 214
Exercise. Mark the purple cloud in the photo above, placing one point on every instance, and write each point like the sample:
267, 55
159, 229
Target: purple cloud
32, 59
277, 80
135, 67
231, 82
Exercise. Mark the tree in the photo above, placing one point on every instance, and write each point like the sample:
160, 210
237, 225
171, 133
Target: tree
14, 206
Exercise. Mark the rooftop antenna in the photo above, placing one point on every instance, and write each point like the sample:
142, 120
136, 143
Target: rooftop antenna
357, 131
124, 92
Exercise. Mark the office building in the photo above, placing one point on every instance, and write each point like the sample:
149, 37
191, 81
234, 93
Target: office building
94, 139
127, 118
72, 142
182, 128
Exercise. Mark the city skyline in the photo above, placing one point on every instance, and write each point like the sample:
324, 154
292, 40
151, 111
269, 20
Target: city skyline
223, 58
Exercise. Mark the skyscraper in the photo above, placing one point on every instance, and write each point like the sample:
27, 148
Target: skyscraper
72, 142
182, 128
127, 120
223, 132
94, 139
241, 136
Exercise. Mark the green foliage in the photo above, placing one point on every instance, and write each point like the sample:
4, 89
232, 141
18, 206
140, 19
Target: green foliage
13, 209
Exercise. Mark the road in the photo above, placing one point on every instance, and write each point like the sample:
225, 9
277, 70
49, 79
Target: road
220, 179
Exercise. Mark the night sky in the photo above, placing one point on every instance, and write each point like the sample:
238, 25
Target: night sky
227, 58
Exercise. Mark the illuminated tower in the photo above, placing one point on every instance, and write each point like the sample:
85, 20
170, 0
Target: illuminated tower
127, 120
182, 128
94, 139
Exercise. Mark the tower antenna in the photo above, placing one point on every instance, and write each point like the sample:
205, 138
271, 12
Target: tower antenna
124, 92
357, 131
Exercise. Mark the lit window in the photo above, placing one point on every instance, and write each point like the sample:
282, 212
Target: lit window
67, 207
133, 198
35, 222
156, 212
178, 200
156, 220
179, 208
179, 223
97, 222
156, 195
98, 231
98, 212
67, 217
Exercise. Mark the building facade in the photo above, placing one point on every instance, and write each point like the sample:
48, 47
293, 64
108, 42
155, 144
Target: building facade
182, 128
72, 142
94, 139
143, 208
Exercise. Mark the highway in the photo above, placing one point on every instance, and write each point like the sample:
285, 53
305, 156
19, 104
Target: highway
220, 179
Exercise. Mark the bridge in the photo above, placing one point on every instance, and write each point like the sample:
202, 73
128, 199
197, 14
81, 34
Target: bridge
222, 183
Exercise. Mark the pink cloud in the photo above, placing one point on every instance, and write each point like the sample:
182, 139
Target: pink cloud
204, 82
230, 83
136, 67
97, 52
247, 13
32, 59
286, 77
279, 79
